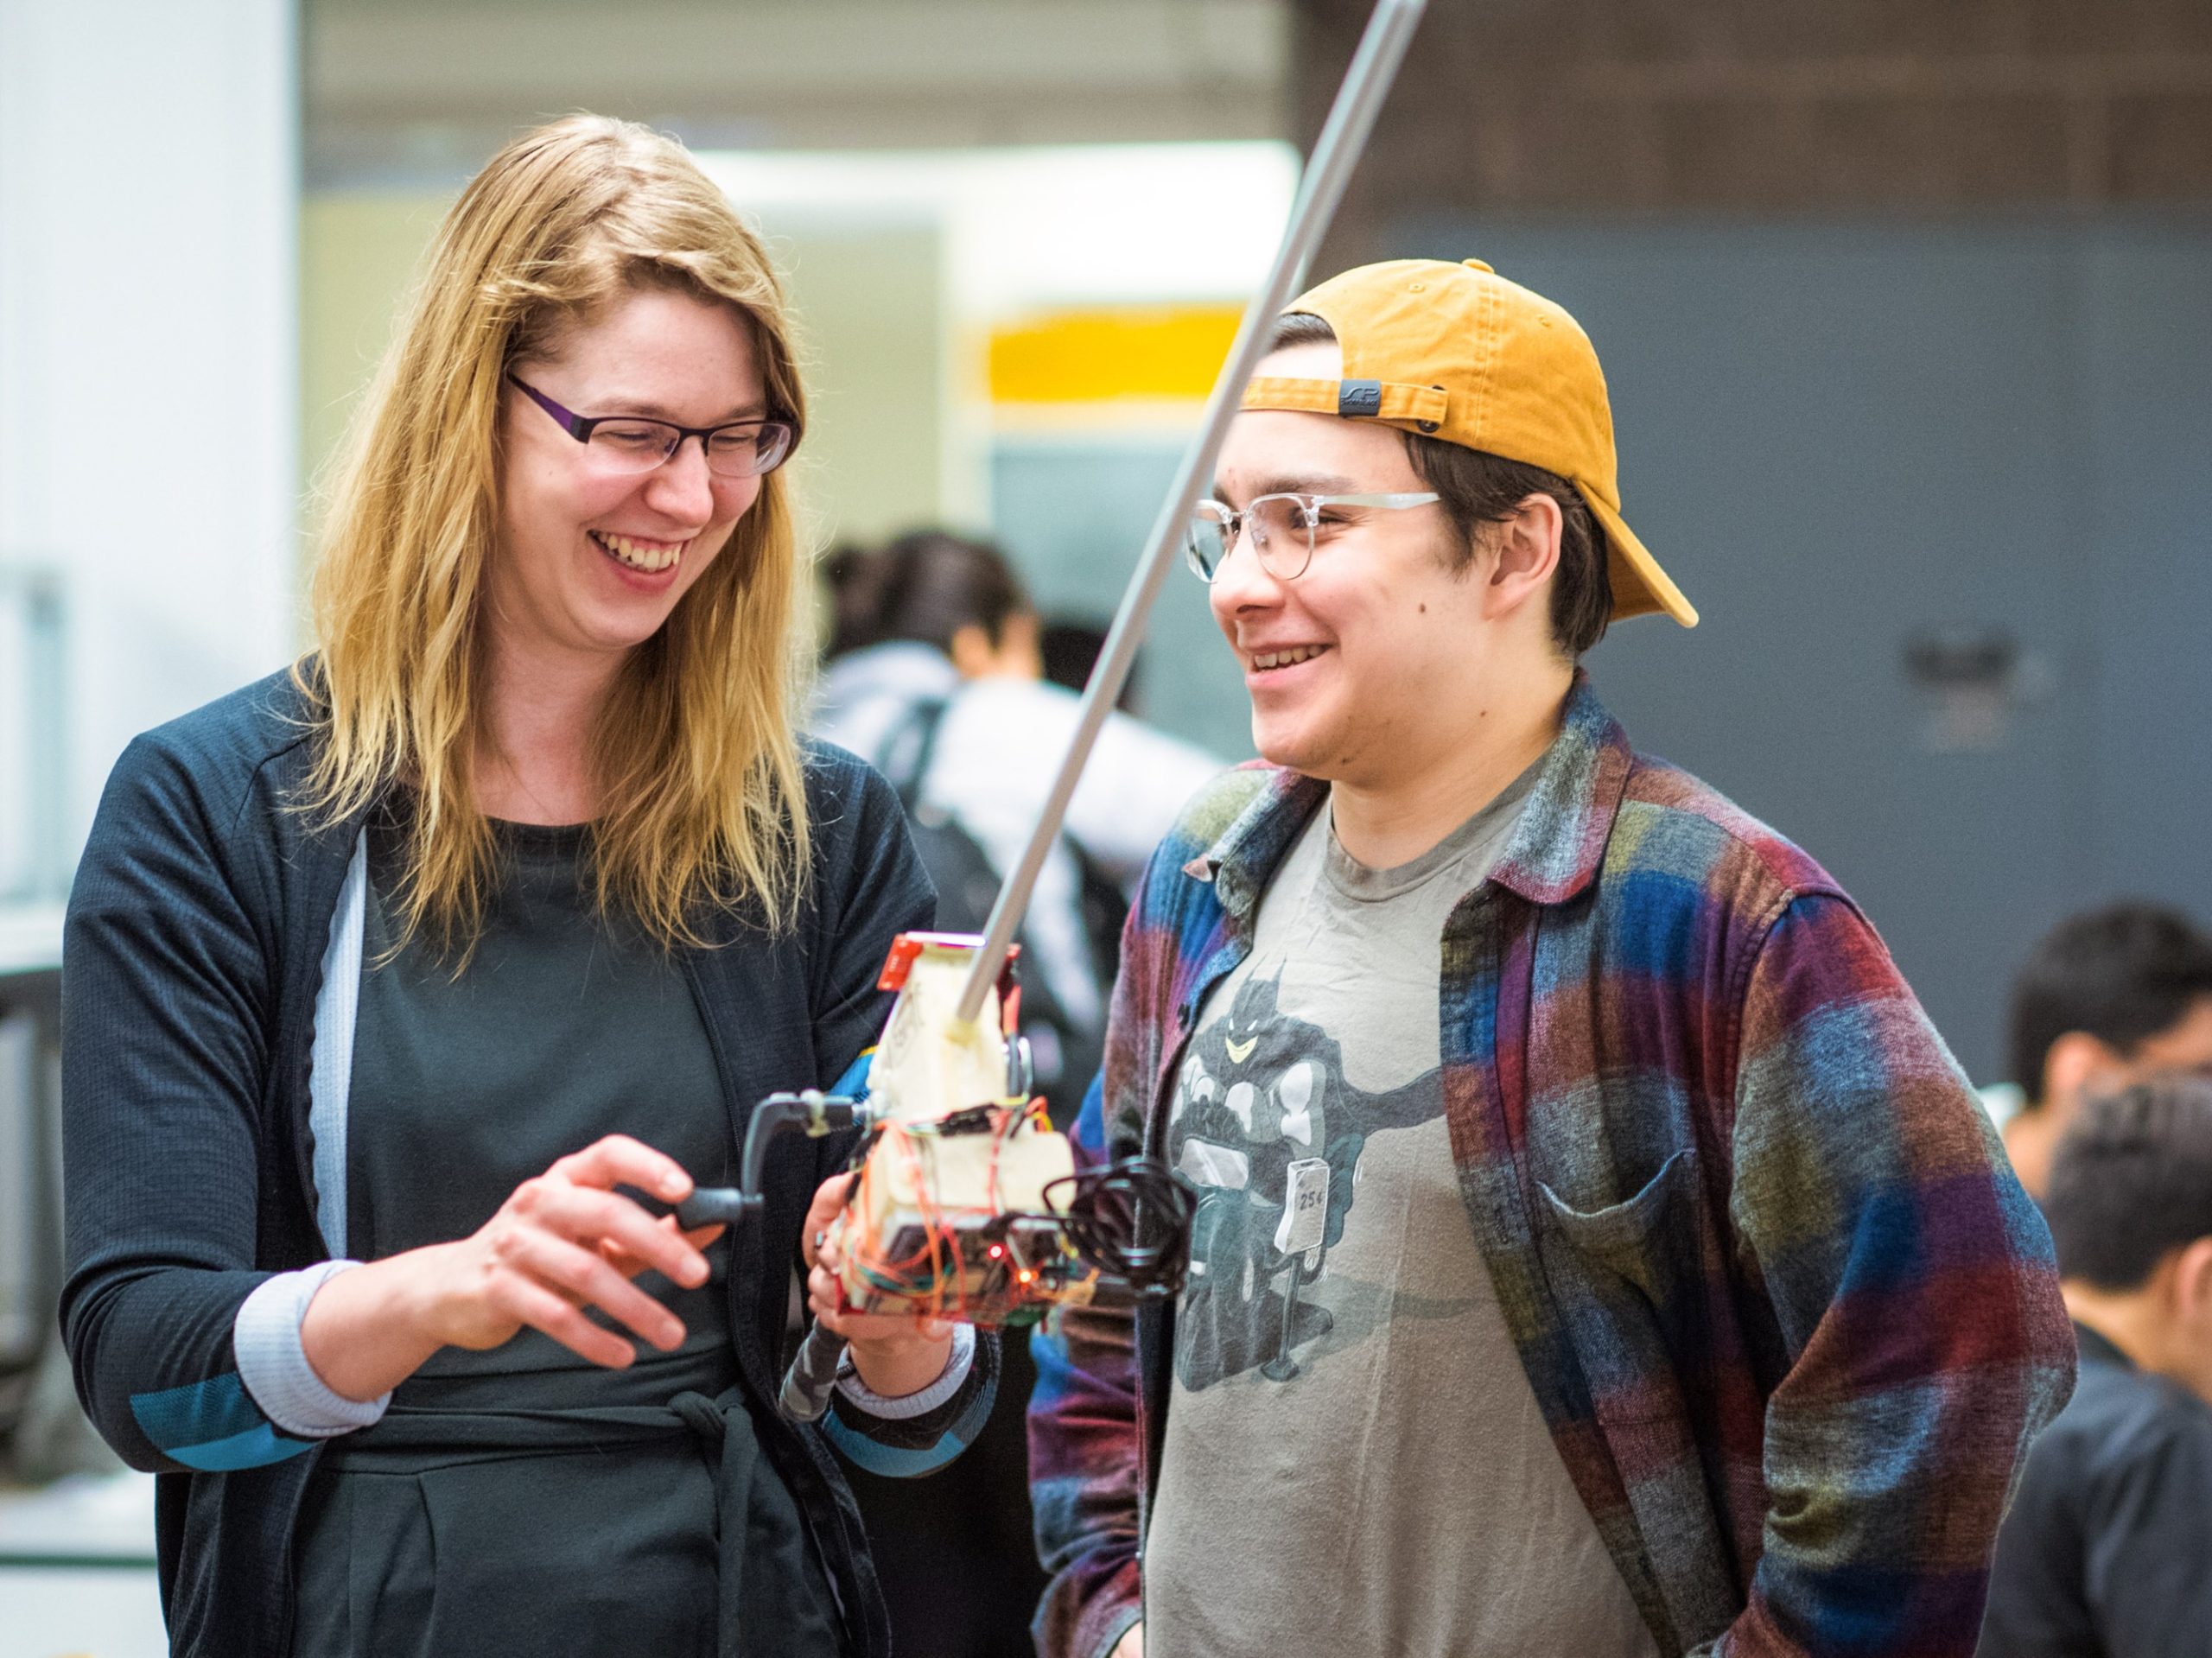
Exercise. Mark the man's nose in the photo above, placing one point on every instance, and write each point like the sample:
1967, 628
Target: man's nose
1241, 582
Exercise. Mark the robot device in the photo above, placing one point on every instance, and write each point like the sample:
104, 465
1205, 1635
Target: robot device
968, 1204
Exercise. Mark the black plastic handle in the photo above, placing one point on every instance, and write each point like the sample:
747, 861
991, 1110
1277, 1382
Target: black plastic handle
719, 1206
813, 1113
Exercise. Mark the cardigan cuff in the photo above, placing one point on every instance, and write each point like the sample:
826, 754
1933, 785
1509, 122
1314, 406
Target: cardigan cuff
1125, 1620
273, 1365
957, 1363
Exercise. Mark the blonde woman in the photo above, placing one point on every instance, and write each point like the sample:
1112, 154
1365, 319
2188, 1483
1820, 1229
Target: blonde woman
407, 991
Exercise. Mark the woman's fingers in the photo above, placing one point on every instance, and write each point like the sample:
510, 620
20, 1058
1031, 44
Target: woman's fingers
566, 1240
830, 1199
825, 1299
630, 1266
584, 1276
595, 1218
619, 1160
541, 1309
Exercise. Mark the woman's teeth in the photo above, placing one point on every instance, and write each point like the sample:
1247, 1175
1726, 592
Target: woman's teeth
644, 556
1297, 653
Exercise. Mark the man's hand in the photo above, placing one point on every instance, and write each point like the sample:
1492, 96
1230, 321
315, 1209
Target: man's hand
896, 1354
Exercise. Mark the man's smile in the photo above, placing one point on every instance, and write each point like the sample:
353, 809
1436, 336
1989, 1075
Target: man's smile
1278, 658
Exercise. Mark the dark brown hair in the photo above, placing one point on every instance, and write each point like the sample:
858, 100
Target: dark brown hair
2132, 1182
925, 585
2122, 973
1481, 488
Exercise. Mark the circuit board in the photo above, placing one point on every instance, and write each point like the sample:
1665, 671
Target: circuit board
953, 1214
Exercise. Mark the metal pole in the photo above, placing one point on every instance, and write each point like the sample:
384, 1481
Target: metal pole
1367, 83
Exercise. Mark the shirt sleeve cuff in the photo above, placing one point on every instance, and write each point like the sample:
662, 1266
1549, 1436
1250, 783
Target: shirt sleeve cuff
273, 1365
956, 1365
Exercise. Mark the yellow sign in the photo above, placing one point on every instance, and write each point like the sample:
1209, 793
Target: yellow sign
1149, 355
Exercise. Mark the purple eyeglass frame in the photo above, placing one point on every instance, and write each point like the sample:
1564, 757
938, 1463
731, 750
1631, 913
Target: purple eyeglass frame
580, 427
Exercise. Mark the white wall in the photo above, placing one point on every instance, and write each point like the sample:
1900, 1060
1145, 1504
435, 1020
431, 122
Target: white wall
148, 168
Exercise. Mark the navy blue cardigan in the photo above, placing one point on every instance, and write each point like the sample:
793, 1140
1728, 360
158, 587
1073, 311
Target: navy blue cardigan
192, 960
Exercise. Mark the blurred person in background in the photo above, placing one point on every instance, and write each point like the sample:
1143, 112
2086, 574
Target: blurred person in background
1070, 649
1596, 1250
2106, 997
2107, 1550
407, 991
935, 675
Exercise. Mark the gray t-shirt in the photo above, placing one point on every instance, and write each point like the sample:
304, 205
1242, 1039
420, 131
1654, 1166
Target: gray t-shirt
1376, 1477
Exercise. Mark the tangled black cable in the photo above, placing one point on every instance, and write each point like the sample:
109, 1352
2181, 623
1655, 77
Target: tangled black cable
1131, 1219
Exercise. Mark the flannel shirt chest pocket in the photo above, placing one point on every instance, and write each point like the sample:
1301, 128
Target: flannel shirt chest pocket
1628, 1279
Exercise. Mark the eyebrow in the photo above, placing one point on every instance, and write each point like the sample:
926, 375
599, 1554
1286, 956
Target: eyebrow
1292, 484
646, 409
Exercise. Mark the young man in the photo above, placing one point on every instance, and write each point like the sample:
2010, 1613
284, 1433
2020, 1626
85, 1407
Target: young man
2108, 997
2108, 1547
1597, 1251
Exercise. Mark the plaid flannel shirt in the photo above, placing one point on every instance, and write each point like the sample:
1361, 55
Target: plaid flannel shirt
1791, 1319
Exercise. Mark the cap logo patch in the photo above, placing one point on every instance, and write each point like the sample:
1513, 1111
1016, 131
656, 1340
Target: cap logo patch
1359, 398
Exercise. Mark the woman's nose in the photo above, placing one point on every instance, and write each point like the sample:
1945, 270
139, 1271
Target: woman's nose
681, 486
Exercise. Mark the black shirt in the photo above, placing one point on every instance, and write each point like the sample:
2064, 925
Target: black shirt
2107, 1550
498, 1506
563, 1027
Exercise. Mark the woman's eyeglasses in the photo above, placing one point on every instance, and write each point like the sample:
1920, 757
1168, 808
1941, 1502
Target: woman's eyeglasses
633, 444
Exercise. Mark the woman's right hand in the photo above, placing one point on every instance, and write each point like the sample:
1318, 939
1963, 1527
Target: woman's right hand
1131, 1645
563, 1241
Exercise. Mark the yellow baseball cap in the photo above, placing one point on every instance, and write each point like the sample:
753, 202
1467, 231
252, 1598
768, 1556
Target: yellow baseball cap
1457, 352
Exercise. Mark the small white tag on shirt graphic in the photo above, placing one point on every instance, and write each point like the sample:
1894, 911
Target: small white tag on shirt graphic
1304, 1206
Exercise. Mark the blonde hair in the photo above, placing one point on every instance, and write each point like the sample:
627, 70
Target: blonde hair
695, 761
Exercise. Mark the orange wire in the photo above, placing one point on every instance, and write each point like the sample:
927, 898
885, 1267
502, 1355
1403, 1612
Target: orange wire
940, 1235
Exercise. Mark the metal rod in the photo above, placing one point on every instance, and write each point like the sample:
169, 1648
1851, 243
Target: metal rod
1343, 137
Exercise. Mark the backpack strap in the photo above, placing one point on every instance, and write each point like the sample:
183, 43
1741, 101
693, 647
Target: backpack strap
913, 740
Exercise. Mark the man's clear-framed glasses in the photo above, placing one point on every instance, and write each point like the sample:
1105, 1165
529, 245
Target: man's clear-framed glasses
633, 444
1282, 529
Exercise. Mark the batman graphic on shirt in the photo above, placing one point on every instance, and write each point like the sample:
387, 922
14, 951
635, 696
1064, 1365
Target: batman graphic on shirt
1267, 1128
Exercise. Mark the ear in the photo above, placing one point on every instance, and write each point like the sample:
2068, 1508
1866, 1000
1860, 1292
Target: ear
2075, 1062
1527, 554
2192, 1282
2028, 1136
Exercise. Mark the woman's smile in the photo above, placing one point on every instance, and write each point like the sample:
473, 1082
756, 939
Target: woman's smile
637, 552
